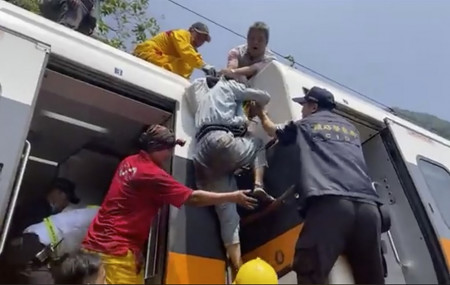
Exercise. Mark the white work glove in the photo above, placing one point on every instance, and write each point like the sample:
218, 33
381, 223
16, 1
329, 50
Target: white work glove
209, 70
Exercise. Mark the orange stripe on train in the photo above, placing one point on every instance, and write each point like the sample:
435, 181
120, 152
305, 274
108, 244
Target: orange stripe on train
190, 269
445, 244
278, 252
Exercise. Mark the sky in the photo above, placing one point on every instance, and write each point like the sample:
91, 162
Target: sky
396, 52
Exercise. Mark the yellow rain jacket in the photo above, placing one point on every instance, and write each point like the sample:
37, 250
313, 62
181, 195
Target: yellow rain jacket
171, 50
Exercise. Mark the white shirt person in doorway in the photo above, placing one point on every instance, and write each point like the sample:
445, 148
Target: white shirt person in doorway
70, 226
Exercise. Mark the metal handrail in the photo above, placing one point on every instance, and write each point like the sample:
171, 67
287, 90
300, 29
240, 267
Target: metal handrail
15, 195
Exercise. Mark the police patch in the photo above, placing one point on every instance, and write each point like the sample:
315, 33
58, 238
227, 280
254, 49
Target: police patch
335, 132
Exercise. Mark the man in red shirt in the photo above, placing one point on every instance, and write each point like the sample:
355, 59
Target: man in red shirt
140, 187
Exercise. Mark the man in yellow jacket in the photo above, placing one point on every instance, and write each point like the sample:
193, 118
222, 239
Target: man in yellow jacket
176, 50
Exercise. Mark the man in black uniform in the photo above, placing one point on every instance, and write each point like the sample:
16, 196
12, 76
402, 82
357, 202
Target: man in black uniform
340, 206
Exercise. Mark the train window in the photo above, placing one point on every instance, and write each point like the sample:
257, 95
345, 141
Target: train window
438, 181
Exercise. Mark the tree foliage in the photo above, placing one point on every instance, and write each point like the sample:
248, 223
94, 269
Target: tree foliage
126, 22
426, 121
121, 23
30, 5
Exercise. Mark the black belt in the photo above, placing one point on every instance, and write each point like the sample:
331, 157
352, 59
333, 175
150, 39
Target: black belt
237, 131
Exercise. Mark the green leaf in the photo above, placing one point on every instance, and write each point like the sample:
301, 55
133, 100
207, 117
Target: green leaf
123, 23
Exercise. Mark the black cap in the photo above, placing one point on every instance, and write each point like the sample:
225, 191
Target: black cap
201, 28
67, 187
321, 96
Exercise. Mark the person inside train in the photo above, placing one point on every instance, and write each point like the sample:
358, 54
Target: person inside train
139, 188
33, 255
341, 209
246, 60
80, 268
223, 146
176, 50
61, 194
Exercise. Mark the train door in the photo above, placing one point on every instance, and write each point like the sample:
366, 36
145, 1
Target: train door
22, 64
423, 165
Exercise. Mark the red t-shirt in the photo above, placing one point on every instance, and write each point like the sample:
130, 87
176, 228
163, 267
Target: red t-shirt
138, 190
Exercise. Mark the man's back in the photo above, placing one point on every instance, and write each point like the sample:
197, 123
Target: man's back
219, 106
332, 161
71, 226
163, 42
138, 190
223, 104
125, 203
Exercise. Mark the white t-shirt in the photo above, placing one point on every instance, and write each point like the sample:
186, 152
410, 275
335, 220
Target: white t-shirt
71, 225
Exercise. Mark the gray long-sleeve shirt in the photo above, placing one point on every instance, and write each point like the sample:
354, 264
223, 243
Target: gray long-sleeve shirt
223, 103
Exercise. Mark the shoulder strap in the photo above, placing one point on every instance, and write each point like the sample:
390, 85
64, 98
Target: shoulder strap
51, 231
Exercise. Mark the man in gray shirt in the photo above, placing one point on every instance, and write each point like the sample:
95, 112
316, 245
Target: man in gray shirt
224, 146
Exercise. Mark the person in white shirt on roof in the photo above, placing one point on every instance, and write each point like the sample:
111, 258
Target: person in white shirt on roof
246, 60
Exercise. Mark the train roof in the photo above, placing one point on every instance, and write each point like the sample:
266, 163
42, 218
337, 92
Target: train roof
96, 55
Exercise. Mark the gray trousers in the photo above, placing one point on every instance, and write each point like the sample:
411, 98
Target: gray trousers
217, 155
77, 15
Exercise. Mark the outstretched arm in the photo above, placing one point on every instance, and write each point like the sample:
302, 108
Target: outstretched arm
242, 93
182, 42
233, 69
267, 124
167, 190
204, 198
286, 133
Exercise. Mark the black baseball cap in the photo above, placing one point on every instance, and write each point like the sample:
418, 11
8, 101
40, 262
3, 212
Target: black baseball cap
321, 96
201, 28
68, 187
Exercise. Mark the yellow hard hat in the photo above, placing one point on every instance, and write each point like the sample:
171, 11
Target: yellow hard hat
256, 271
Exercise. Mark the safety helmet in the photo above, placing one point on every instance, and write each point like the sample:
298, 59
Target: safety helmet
256, 271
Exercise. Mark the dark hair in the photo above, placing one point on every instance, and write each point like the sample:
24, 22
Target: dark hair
63, 184
260, 26
74, 269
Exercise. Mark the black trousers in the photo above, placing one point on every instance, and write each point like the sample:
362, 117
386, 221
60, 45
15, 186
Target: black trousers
18, 259
337, 226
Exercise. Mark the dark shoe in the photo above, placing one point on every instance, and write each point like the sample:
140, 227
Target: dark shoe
262, 195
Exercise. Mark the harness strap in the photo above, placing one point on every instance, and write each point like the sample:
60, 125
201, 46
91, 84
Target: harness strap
92, 206
237, 131
51, 231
